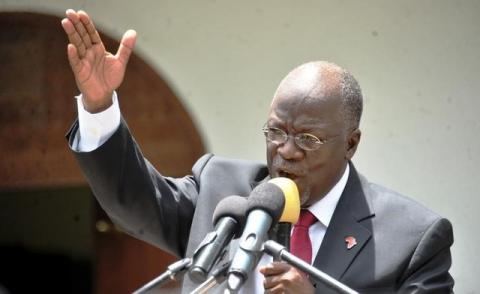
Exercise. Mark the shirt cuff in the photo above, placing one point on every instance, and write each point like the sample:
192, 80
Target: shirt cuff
95, 128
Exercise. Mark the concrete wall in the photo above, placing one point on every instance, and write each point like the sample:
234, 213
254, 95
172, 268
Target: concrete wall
417, 63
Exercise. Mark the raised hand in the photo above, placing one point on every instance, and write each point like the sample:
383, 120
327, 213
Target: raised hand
97, 72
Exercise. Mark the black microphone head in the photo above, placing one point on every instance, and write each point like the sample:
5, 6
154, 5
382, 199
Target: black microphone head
269, 198
235, 207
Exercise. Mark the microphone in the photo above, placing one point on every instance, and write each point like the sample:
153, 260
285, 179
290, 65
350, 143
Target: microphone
229, 219
276, 200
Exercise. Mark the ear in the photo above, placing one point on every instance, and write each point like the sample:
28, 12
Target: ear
352, 143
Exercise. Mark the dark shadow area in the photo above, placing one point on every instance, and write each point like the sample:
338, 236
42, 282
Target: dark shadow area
26, 271
46, 241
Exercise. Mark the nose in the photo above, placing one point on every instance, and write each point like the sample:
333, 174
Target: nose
289, 150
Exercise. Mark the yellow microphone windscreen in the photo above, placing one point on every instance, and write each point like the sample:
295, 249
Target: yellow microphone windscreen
291, 211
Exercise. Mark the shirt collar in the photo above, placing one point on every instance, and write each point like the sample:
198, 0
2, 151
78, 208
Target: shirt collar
324, 208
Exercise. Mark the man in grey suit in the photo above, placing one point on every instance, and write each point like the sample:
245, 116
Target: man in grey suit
368, 237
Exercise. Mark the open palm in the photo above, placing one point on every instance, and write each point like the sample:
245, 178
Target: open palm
97, 72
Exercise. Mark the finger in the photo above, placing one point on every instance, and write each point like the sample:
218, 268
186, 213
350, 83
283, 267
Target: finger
71, 13
90, 27
69, 29
278, 289
73, 58
126, 46
270, 282
80, 29
73, 37
74, 17
275, 268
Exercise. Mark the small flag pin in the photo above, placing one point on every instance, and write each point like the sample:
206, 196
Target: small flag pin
351, 241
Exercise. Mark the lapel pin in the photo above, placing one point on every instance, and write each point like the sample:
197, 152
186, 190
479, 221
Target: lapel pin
351, 241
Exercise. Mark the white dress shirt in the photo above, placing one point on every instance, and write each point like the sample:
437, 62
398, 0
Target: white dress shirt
95, 129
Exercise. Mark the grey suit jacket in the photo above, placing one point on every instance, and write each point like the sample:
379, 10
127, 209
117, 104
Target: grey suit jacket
402, 247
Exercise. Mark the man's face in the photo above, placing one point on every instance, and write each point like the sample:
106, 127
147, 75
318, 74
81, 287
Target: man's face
315, 172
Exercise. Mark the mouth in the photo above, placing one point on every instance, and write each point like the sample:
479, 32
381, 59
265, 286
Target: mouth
287, 174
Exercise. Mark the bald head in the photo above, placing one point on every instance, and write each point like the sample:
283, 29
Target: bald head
324, 80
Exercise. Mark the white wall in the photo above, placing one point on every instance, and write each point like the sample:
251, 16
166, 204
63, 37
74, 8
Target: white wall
417, 62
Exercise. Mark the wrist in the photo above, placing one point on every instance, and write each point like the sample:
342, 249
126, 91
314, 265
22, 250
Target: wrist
97, 105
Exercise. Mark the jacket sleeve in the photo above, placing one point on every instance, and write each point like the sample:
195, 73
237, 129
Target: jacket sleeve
135, 195
428, 269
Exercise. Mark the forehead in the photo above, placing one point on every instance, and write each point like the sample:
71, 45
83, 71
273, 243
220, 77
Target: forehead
307, 112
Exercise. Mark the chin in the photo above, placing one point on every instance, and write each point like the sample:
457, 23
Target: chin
304, 199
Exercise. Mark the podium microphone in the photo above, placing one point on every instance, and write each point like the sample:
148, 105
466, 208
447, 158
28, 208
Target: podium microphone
229, 219
276, 200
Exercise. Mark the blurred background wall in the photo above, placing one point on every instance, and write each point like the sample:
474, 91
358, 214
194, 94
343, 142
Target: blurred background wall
417, 63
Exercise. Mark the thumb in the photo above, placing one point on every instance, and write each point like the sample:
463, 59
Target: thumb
126, 46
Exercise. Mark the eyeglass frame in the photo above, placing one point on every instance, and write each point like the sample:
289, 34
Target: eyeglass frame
296, 138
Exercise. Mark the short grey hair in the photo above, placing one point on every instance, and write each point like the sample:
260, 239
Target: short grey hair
352, 100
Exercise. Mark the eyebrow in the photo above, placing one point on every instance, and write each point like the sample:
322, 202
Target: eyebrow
307, 126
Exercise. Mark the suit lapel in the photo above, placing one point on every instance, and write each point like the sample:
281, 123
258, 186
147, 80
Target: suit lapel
334, 257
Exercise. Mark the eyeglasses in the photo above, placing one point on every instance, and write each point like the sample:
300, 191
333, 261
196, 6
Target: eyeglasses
305, 141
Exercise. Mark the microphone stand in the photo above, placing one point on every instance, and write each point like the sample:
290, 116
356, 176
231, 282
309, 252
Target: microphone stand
281, 234
279, 252
178, 267
219, 275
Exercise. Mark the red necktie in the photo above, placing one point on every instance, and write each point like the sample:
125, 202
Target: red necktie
300, 244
